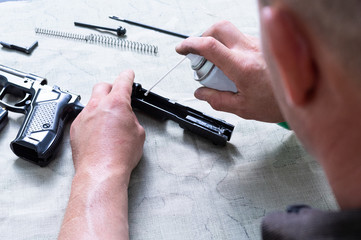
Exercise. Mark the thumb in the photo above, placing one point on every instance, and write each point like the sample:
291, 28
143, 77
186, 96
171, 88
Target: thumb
204, 93
219, 100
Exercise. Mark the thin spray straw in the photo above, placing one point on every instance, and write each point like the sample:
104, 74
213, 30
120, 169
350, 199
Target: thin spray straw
146, 94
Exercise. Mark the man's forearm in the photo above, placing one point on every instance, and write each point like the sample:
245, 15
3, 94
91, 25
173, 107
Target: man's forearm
98, 207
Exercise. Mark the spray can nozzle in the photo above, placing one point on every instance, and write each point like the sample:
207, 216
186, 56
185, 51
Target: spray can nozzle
209, 75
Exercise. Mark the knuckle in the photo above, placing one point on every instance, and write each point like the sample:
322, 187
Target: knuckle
210, 44
97, 85
71, 131
100, 85
223, 23
141, 132
73, 128
92, 104
219, 26
252, 68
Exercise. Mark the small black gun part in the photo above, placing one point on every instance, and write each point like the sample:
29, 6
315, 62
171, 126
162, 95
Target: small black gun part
3, 118
27, 50
149, 27
120, 30
216, 130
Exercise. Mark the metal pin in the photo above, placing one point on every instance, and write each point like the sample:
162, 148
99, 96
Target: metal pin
148, 27
147, 92
120, 30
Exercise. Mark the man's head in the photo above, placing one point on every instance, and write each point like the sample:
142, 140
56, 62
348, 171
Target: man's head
313, 49
336, 23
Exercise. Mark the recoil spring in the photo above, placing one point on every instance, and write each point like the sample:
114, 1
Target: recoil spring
100, 39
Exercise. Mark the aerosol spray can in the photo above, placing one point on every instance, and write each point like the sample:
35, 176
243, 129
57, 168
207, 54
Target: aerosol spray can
209, 75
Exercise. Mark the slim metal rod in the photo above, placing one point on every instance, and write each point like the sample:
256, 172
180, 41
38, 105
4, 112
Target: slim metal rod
120, 31
93, 26
149, 27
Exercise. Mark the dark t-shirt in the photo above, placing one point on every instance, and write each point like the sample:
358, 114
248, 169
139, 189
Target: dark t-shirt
302, 222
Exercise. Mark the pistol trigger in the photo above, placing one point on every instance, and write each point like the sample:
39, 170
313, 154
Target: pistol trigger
24, 101
2, 93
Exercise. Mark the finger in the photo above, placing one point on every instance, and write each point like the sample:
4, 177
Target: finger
188, 46
211, 49
220, 101
123, 84
100, 90
229, 35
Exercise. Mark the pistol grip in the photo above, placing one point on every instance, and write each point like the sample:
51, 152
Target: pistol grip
42, 130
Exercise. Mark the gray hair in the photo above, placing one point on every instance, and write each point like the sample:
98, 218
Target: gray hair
337, 23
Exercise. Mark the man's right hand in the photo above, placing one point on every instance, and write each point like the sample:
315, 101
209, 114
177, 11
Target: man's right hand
240, 58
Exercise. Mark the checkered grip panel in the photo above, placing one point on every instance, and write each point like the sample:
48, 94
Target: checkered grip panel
43, 117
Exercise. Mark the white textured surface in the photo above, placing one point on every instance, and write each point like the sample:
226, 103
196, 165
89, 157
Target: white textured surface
184, 187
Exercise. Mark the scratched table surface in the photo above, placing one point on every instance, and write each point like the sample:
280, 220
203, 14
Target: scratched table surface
184, 186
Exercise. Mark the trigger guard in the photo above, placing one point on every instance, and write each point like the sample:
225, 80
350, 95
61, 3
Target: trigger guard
12, 108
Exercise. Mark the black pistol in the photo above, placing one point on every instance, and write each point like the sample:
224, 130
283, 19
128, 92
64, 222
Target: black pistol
46, 111
48, 108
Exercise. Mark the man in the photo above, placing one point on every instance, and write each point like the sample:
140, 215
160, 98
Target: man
311, 79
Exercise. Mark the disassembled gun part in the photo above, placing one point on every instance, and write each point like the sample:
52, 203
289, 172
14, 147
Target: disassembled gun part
46, 108
120, 30
27, 50
216, 130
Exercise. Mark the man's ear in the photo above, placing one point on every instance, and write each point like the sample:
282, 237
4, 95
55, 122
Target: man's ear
290, 49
